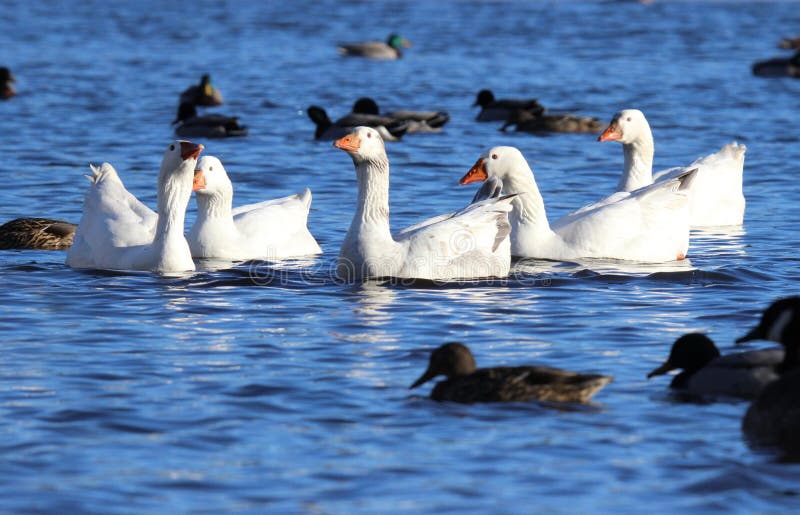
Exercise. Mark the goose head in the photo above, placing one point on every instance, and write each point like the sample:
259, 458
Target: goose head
501, 162
396, 41
690, 352
364, 144
779, 323
450, 360
626, 126
210, 178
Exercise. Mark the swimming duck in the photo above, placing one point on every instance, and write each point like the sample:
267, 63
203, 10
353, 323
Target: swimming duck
742, 374
778, 67
36, 233
6, 89
376, 49
527, 121
118, 232
715, 197
499, 110
468, 384
647, 225
189, 125
273, 229
203, 94
773, 419
389, 129
418, 121
469, 244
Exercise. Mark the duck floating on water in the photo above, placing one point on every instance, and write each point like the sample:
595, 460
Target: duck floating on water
6, 89
390, 129
528, 121
190, 125
468, 384
36, 234
376, 49
773, 419
494, 110
418, 121
705, 372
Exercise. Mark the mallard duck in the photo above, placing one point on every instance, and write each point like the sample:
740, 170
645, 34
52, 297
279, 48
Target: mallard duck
418, 121
742, 374
203, 94
189, 125
778, 67
376, 49
468, 384
493, 110
6, 89
773, 419
389, 129
527, 121
789, 43
36, 233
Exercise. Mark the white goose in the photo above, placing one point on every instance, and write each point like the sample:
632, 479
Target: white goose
274, 229
648, 225
118, 232
716, 195
469, 244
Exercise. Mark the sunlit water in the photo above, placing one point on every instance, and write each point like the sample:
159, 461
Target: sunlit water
266, 388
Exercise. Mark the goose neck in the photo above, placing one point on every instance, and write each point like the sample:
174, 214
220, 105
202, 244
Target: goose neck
529, 205
638, 167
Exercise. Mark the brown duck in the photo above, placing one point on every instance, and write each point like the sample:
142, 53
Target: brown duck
468, 384
527, 121
36, 233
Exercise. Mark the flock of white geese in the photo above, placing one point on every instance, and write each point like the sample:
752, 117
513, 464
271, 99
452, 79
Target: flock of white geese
647, 218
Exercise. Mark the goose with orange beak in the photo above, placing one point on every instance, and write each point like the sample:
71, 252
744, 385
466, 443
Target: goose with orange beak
118, 232
716, 196
469, 244
649, 225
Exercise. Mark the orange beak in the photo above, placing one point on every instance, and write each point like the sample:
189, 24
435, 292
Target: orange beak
476, 173
611, 133
199, 182
349, 143
189, 149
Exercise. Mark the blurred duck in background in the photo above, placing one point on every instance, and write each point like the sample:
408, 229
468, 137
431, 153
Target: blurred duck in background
390, 129
418, 121
494, 110
6, 89
202, 94
376, 49
528, 121
190, 125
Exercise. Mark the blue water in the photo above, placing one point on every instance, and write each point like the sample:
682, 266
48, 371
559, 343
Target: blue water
275, 388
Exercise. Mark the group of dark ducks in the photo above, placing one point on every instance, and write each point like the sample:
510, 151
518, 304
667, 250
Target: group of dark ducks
769, 377
781, 66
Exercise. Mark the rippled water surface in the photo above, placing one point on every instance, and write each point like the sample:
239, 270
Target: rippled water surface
264, 387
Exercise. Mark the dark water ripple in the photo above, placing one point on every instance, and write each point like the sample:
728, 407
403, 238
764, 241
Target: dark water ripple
253, 387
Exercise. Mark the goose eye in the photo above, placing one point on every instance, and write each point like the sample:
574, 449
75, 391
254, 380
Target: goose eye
494, 156
210, 168
369, 134
629, 118
172, 147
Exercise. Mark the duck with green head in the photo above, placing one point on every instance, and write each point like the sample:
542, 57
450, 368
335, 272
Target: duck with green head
376, 49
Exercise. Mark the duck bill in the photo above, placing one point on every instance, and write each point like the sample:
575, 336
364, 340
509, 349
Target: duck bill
663, 369
476, 173
612, 133
190, 150
349, 143
199, 182
406, 43
754, 334
427, 376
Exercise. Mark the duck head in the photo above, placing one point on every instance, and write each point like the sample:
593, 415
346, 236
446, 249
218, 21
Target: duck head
396, 41
450, 360
484, 98
690, 352
366, 105
363, 144
186, 110
500, 162
779, 323
626, 126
